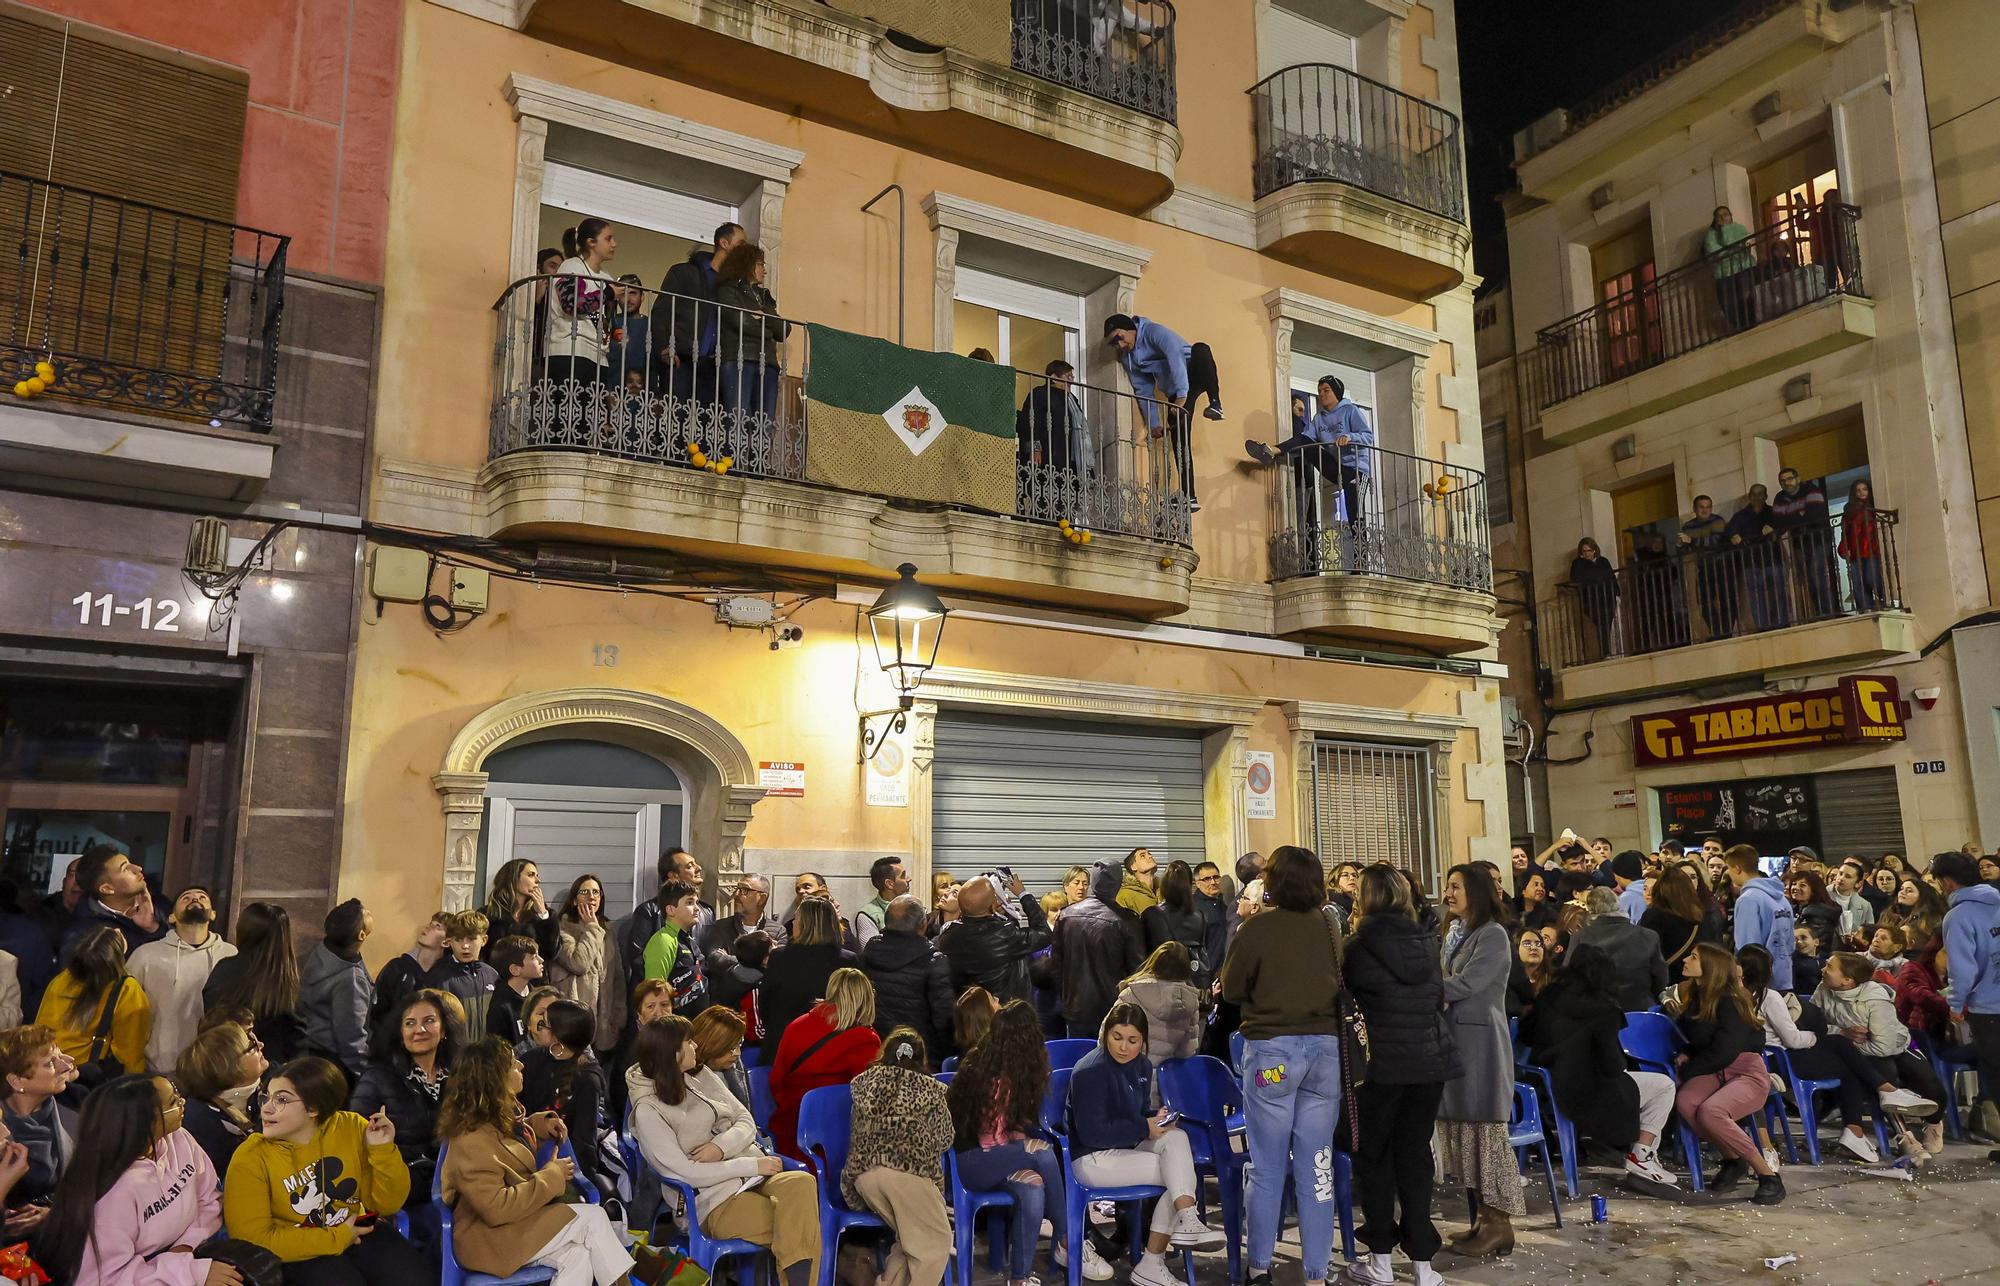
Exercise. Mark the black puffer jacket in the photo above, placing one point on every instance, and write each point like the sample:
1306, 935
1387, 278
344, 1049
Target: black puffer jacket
1163, 924
794, 981
1392, 971
912, 987
386, 1084
1095, 951
1574, 1033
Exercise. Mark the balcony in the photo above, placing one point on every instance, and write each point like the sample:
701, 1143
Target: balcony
1076, 97
161, 329
750, 463
1793, 603
1783, 296
1374, 544
1357, 178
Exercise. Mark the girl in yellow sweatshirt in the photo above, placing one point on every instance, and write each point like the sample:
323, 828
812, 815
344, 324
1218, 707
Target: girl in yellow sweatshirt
74, 1003
308, 1189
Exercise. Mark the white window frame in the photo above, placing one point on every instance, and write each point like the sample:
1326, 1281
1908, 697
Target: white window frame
638, 205
1009, 295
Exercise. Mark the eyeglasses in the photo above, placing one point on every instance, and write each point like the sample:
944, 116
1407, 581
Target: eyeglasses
282, 1099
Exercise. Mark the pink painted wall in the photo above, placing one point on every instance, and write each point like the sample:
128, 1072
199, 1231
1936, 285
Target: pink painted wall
322, 102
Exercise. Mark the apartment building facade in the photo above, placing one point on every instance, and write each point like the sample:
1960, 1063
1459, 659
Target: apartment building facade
1727, 271
650, 611
195, 203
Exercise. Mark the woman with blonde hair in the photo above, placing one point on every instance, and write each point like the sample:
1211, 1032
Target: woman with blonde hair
829, 1044
1722, 1071
796, 976
1164, 989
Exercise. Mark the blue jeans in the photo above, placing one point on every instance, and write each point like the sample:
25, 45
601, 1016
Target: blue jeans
752, 387
992, 1170
1864, 577
1291, 1098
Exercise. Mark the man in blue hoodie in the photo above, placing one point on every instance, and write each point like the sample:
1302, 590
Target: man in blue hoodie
1972, 945
1763, 915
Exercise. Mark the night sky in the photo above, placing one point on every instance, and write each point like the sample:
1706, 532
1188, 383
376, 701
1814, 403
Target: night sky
1521, 58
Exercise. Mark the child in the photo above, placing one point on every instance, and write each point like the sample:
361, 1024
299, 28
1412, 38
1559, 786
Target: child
519, 962
735, 978
1862, 1010
415, 969
1805, 961
1885, 954
671, 953
464, 975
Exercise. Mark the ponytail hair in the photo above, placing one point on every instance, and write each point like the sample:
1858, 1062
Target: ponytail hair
575, 239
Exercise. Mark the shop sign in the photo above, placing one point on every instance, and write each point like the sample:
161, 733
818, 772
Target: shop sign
1864, 707
1260, 787
782, 778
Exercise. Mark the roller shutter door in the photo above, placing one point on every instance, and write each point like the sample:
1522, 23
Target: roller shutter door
1860, 813
1041, 796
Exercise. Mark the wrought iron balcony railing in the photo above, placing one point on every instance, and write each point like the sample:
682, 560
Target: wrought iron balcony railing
1121, 51
679, 381
1322, 123
138, 307
1364, 510
1702, 593
1800, 260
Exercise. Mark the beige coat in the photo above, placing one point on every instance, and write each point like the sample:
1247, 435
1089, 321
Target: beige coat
1173, 1016
586, 970
503, 1209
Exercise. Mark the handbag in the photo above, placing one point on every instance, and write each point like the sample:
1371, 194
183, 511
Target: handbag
258, 1266
1353, 1037
102, 1065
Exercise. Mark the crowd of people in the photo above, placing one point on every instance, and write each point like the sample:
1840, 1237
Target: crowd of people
171, 1083
1774, 562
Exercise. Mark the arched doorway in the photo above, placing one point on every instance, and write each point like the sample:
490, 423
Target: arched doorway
709, 768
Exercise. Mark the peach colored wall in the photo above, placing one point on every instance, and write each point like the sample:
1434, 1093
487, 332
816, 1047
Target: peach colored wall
322, 91
451, 229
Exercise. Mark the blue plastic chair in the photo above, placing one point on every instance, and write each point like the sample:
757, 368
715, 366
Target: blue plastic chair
752, 1056
826, 1121
966, 1207
763, 1106
1236, 1052
453, 1274
1947, 1073
709, 1252
1651, 1040
1525, 1132
1805, 1094
1067, 1052
1078, 1195
1205, 1093
1528, 1073
949, 1064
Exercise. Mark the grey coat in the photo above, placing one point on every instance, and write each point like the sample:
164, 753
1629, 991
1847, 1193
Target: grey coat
1475, 996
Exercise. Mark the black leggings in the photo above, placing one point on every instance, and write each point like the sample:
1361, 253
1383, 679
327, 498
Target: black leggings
382, 1256
1835, 1058
1912, 1072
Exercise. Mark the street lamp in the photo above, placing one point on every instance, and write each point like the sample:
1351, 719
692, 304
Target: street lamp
907, 623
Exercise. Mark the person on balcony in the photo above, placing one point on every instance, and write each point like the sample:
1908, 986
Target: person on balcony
1596, 589
1658, 614
1164, 368
752, 337
1861, 546
1715, 582
1338, 444
686, 325
1805, 537
1734, 265
631, 332
1834, 248
580, 301
1054, 447
1751, 532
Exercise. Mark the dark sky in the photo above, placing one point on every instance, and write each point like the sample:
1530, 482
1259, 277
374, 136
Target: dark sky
1521, 58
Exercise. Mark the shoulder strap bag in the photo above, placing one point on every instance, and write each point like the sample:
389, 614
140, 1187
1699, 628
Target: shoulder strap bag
1353, 1037
103, 1065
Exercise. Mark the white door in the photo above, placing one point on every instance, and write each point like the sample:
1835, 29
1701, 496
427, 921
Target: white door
569, 831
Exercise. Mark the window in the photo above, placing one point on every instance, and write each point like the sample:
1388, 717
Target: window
1499, 491
657, 228
1022, 324
1836, 453
1643, 510
1789, 187
1372, 803
1288, 39
1623, 270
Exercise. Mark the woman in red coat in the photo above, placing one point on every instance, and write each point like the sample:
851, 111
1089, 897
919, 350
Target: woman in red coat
1920, 1001
829, 1044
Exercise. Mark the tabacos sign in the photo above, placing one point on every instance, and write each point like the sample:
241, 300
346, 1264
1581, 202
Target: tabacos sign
1865, 707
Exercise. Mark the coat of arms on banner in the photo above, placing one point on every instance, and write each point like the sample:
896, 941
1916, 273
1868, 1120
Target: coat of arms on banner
915, 420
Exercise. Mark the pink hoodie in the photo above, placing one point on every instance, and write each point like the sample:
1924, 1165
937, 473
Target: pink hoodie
167, 1199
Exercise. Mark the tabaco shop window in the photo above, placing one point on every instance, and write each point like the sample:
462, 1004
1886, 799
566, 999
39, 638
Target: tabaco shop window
1837, 813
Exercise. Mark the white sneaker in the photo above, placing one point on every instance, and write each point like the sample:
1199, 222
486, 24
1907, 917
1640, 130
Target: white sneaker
1094, 1269
1860, 1146
1645, 1163
1366, 1271
1151, 1270
1189, 1230
1902, 1100
1908, 1143
1426, 1275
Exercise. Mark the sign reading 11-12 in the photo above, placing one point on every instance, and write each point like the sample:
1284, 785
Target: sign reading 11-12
162, 614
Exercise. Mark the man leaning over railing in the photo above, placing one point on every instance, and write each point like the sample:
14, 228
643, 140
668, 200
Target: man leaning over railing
1715, 584
1341, 425
1164, 368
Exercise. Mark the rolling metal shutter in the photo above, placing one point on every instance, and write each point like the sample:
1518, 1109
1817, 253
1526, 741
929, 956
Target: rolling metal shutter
1860, 813
1041, 797
1373, 803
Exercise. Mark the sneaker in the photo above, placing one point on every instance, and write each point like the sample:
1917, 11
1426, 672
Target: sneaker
1213, 411
1902, 1100
1730, 1173
1094, 1268
1365, 1271
1860, 1145
1189, 1230
1933, 1138
1770, 1190
1151, 1270
1908, 1144
1259, 452
1426, 1275
1259, 1279
1645, 1163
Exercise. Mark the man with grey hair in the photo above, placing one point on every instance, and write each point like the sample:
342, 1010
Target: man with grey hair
753, 903
1634, 952
912, 979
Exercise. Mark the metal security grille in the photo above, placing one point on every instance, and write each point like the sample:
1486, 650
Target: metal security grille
1372, 803
1040, 797
1860, 814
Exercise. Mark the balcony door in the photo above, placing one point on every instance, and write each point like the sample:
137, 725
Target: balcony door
1624, 271
1021, 323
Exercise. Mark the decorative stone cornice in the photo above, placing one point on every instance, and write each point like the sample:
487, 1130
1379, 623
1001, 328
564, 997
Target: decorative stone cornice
1074, 698
1297, 306
1406, 612
536, 711
1327, 718
1010, 227
597, 114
